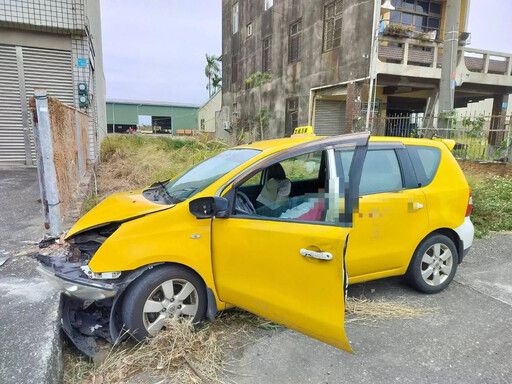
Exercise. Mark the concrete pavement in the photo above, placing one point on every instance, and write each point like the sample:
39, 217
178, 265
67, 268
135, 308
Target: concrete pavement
468, 339
30, 347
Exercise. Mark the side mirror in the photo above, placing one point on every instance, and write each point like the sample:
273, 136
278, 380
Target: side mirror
208, 207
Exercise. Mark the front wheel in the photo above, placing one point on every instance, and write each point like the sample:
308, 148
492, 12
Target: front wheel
162, 293
433, 264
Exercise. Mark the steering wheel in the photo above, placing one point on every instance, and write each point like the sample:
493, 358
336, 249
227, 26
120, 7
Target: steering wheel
243, 204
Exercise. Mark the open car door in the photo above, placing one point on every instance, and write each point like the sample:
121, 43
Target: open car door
292, 271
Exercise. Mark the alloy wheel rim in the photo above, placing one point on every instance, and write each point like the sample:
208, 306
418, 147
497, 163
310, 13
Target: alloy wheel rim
173, 299
436, 264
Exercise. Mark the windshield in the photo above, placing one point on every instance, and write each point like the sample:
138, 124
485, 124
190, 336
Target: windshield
203, 174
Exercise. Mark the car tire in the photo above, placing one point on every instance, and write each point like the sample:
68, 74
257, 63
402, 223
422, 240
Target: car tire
433, 264
161, 293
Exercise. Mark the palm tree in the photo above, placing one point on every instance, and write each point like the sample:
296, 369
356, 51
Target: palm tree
212, 72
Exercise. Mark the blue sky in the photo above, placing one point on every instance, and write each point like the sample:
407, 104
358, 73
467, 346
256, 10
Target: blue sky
154, 49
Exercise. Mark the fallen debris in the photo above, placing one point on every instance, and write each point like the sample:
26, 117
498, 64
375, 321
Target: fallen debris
368, 311
3, 259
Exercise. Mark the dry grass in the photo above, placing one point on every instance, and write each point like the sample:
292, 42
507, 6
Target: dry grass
132, 161
367, 311
178, 354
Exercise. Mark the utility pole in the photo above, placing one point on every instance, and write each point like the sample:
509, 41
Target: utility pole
450, 48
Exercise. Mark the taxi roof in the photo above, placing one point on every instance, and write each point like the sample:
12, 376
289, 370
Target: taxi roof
283, 143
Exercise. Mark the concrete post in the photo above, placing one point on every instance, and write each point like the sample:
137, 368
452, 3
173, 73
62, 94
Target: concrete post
46, 166
450, 48
352, 105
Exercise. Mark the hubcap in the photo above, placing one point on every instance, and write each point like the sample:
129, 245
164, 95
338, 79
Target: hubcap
436, 264
175, 298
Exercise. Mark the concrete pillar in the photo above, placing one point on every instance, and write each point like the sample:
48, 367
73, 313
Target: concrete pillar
46, 167
499, 111
353, 105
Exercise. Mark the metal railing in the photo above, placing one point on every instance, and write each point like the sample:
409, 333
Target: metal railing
476, 137
425, 53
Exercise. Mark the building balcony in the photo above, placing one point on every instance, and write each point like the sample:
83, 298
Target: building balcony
423, 59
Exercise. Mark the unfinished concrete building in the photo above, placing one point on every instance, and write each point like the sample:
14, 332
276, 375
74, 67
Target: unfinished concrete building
322, 55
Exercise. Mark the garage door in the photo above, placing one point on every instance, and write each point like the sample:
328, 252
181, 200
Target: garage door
50, 69
329, 117
12, 139
42, 68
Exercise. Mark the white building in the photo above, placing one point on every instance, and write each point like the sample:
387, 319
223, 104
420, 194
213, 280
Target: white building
208, 114
51, 44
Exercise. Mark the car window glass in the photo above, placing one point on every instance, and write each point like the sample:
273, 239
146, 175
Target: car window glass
304, 167
425, 161
294, 189
381, 172
203, 174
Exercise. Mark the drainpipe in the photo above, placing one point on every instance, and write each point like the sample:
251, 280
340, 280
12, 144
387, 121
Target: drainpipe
371, 75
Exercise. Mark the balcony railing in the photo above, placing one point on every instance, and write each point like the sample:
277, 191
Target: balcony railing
408, 51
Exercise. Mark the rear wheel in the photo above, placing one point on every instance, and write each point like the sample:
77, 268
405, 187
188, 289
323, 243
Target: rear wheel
160, 294
433, 265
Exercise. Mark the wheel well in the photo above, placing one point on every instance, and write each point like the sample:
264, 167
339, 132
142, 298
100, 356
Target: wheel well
448, 232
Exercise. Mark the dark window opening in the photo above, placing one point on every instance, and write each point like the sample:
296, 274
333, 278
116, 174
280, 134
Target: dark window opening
424, 15
292, 116
332, 25
295, 41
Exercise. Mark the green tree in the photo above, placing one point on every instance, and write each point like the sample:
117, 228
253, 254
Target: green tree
212, 72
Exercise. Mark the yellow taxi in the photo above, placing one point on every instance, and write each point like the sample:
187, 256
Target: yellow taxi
278, 227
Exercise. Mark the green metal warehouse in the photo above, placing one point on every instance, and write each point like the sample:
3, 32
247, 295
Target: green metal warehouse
171, 117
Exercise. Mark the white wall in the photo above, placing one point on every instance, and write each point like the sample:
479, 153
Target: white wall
208, 111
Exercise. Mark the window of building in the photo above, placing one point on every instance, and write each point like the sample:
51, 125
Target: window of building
234, 14
268, 4
292, 116
234, 69
203, 125
267, 55
295, 41
424, 15
332, 24
249, 30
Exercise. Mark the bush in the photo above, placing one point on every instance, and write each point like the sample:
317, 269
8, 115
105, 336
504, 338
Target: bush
492, 208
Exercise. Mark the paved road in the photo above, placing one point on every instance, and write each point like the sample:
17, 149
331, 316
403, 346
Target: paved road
29, 308
467, 340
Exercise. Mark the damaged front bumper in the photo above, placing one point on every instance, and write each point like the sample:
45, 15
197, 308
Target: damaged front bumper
90, 308
79, 287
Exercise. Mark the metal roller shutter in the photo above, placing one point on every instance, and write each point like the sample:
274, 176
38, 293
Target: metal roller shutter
50, 69
329, 117
12, 142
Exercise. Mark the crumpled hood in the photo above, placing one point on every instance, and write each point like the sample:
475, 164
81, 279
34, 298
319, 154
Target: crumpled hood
117, 208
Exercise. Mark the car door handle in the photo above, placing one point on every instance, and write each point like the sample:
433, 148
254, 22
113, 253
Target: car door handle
417, 205
316, 255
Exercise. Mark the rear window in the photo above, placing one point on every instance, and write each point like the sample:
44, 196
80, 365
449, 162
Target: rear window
425, 161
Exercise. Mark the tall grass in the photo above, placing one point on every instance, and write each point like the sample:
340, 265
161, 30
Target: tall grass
492, 204
135, 161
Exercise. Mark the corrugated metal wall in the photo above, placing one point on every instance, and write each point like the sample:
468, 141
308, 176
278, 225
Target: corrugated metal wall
329, 117
41, 68
12, 144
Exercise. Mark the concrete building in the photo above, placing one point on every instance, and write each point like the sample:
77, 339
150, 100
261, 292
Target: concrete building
322, 54
175, 118
52, 44
208, 114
